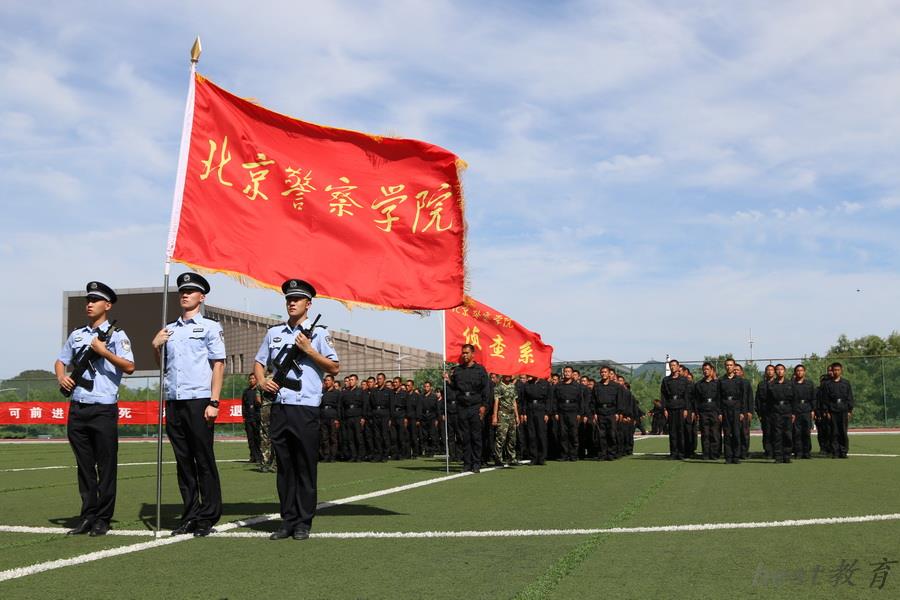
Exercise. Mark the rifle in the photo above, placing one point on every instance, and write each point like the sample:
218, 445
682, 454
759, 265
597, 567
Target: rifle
84, 361
287, 360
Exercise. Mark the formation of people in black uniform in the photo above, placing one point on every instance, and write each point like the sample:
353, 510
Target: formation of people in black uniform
568, 417
721, 409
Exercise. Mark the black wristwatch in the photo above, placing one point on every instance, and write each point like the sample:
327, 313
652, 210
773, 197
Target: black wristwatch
214, 403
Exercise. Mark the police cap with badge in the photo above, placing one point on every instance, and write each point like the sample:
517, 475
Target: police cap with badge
100, 291
297, 288
192, 282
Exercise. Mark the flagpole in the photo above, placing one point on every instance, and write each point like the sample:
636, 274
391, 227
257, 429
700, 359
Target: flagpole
196, 49
444, 368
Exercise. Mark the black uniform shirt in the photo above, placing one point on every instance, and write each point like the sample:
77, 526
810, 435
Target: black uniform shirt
353, 403
471, 385
805, 394
428, 408
331, 404
674, 392
837, 395
380, 401
608, 398
537, 395
400, 404
569, 397
732, 390
780, 396
707, 396
249, 408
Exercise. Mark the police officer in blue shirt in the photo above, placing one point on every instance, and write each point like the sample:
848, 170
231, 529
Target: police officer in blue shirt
195, 365
93, 414
294, 422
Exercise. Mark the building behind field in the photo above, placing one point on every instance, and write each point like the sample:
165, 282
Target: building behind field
139, 312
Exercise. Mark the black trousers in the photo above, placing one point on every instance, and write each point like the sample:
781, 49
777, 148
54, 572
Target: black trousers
568, 434
399, 437
733, 433
676, 432
379, 425
690, 434
428, 434
191, 437
368, 449
469, 424
840, 441
454, 438
94, 436
537, 436
803, 435
606, 436
745, 435
251, 428
295, 439
524, 447
823, 433
782, 434
328, 438
766, 424
353, 438
487, 438
709, 433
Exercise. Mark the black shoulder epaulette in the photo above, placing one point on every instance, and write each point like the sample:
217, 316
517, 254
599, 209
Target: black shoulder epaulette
210, 318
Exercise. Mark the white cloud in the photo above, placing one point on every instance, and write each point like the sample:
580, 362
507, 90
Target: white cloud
622, 162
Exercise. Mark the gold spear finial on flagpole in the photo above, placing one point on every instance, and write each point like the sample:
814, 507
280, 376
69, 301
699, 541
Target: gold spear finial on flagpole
196, 49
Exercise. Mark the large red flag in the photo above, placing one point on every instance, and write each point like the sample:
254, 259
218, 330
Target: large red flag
501, 344
365, 219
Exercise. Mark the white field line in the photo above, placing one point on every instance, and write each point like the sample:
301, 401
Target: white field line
134, 464
504, 533
818, 457
121, 441
220, 530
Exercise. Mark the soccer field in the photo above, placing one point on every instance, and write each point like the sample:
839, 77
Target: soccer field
640, 527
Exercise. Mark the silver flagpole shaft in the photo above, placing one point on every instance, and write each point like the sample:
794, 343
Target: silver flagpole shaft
162, 401
170, 247
443, 368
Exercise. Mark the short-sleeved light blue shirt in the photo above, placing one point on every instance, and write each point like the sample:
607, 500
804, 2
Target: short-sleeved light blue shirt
108, 376
191, 346
310, 375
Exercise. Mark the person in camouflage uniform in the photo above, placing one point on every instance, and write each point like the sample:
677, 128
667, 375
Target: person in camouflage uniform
267, 464
504, 419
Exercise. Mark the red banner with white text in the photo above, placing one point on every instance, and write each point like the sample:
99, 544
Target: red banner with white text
130, 413
501, 344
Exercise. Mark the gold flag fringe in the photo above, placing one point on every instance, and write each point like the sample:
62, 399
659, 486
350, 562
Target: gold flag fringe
461, 166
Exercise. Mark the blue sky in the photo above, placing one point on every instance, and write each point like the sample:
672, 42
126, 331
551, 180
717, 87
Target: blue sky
645, 178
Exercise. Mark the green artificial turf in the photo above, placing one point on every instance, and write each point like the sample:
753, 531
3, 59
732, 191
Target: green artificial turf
643, 490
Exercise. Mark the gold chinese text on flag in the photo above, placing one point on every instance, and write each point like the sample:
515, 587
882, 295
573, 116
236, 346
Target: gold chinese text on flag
365, 219
501, 344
